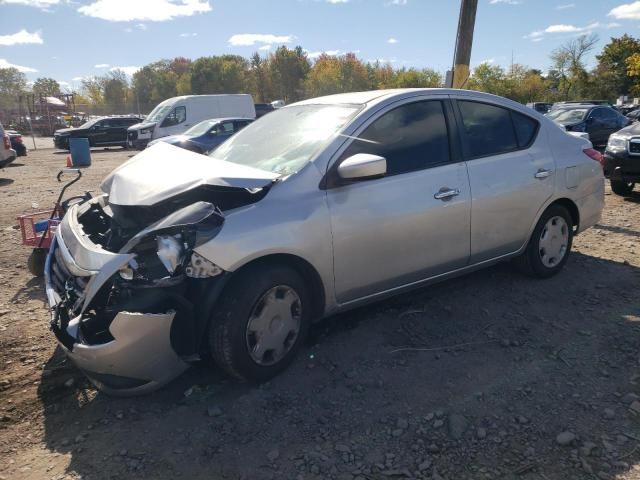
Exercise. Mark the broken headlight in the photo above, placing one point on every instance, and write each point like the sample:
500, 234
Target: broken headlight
171, 251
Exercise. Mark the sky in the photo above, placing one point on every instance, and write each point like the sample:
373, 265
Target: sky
71, 39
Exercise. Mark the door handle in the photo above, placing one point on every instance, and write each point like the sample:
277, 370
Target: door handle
446, 193
540, 174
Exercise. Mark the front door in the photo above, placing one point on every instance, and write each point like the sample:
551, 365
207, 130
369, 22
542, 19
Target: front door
413, 222
511, 174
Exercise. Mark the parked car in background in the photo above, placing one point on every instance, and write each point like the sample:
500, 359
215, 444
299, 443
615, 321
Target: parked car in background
17, 143
540, 107
205, 136
102, 132
176, 115
316, 208
622, 159
263, 109
627, 109
634, 115
7, 154
569, 103
598, 121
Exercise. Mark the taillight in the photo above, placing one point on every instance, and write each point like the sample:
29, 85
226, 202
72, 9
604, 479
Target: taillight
594, 154
7, 142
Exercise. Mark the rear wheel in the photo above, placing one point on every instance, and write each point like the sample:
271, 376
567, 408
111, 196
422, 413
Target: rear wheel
549, 245
622, 188
261, 322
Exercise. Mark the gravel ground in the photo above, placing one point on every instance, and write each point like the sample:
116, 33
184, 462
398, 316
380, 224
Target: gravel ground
488, 376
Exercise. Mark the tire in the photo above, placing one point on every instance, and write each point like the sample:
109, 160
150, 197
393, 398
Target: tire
235, 339
622, 188
538, 260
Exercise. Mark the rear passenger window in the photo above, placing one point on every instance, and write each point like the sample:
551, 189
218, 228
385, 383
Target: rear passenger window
411, 137
487, 129
526, 128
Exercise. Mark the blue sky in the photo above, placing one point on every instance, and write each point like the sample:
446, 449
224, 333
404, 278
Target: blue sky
69, 39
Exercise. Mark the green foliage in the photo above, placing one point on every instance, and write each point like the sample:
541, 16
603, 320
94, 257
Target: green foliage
46, 86
612, 65
12, 84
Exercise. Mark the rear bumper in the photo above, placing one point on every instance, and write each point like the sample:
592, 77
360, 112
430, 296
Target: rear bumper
136, 355
9, 160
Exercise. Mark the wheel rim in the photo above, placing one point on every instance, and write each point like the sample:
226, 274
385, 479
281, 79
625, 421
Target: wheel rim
274, 325
554, 240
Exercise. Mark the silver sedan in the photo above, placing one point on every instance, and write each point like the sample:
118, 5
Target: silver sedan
318, 207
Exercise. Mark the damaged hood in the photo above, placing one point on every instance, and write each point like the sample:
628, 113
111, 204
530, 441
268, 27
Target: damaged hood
164, 171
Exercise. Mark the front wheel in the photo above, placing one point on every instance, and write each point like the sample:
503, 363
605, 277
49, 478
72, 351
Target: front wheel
549, 245
622, 188
261, 322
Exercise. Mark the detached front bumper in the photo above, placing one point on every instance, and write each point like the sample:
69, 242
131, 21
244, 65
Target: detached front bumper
136, 356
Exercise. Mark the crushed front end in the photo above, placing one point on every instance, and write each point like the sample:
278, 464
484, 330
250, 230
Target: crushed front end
123, 298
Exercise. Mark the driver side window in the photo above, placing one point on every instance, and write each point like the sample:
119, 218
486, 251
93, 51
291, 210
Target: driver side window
177, 116
410, 137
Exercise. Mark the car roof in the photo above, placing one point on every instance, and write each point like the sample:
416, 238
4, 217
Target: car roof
222, 119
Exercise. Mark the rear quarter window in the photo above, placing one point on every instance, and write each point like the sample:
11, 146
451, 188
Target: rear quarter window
488, 129
526, 129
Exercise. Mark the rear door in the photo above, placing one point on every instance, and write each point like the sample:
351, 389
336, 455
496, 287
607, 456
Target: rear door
511, 173
413, 222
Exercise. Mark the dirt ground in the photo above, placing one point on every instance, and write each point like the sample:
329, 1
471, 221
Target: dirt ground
492, 375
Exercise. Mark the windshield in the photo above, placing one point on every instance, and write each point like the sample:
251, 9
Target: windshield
158, 113
571, 115
200, 128
285, 140
88, 124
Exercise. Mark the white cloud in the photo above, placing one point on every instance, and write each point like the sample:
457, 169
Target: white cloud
561, 28
392, 41
141, 26
128, 70
331, 53
44, 4
77, 79
398, 2
626, 11
246, 39
185, 35
507, 2
564, 6
337, 1
21, 38
144, 10
265, 47
5, 64
102, 65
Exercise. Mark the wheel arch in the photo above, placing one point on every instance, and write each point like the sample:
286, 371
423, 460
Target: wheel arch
305, 269
571, 207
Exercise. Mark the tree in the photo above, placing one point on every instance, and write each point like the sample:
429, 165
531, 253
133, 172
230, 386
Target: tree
633, 71
92, 88
568, 61
412, 78
611, 70
47, 87
488, 78
115, 89
333, 74
219, 74
12, 84
259, 84
288, 70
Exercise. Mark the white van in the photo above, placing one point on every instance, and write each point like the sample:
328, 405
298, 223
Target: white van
176, 115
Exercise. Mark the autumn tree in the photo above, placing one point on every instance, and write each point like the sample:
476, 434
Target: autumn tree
413, 78
219, 74
568, 61
611, 71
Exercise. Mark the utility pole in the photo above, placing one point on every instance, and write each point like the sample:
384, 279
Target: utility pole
464, 40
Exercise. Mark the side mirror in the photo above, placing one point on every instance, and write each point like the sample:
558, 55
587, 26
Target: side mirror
362, 165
